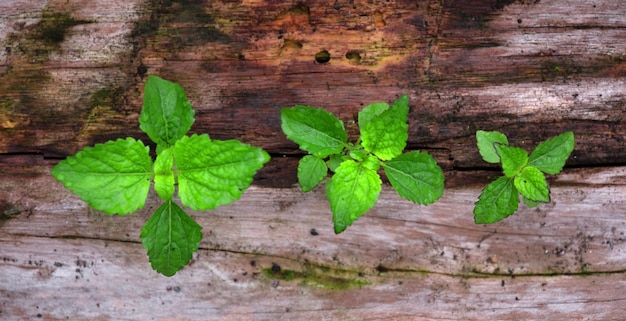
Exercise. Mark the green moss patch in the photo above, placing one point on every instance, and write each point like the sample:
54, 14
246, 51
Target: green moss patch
325, 277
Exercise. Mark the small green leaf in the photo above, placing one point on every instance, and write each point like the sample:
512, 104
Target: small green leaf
335, 160
163, 174
531, 183
372, 162
531, 203
416, 177
352, 191
171, 237
166, 115
113, 177
315, 130
370, 112
485, 142
385, 135
550, 156
311, 171
213, 172
497, 201
513, 159
358, 154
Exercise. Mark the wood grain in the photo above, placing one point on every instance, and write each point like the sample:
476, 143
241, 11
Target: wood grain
72, 73
562, 260
533, 69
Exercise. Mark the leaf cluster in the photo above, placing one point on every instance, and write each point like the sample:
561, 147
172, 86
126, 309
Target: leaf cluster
355, 184
523, 174
115, 177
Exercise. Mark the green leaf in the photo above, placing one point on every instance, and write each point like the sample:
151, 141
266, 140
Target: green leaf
531, 203
372, 162
335, 160
485, 142
163, 174
315, 130
370, 112
497, 201
171, 237
385, 135
550, 156
113, 177
352, 191
213, 172
311, 171
166, 115
531, 183
513, 159
416, 177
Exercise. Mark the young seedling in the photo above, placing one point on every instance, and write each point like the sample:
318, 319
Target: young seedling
355, 186
523, 174
115, 177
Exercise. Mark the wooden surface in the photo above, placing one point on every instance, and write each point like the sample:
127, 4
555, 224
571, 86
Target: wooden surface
71, 75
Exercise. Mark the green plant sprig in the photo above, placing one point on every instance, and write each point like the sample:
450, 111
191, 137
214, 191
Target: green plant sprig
115, 177
523, 174
355, 185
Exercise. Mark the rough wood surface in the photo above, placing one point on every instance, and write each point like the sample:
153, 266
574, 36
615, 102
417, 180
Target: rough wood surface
71, 74
399, 262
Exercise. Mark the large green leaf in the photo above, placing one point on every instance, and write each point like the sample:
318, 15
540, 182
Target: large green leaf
113, 177
171, 237
213, 172
315, 130
311, 171
485, 141
550, 156
166, 115
497, 201
513, 159
385, 135
352, 191
416, 177
531, 183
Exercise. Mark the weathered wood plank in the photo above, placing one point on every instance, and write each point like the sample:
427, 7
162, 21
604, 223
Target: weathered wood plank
466, 67
89, 279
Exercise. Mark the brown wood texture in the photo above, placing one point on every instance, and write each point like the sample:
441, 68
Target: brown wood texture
71, 75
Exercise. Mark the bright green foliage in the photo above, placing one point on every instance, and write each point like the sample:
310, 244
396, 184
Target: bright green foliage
311, 171
315, 130
352, 191
164, 175
532, 185
372, 162
550, 156
370, 112
166, 115
497, 201
416, 177
213, 172
115, 177
513, 159
355, 185
335, 160
385, 135
171, 237
522, 174
486, 141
